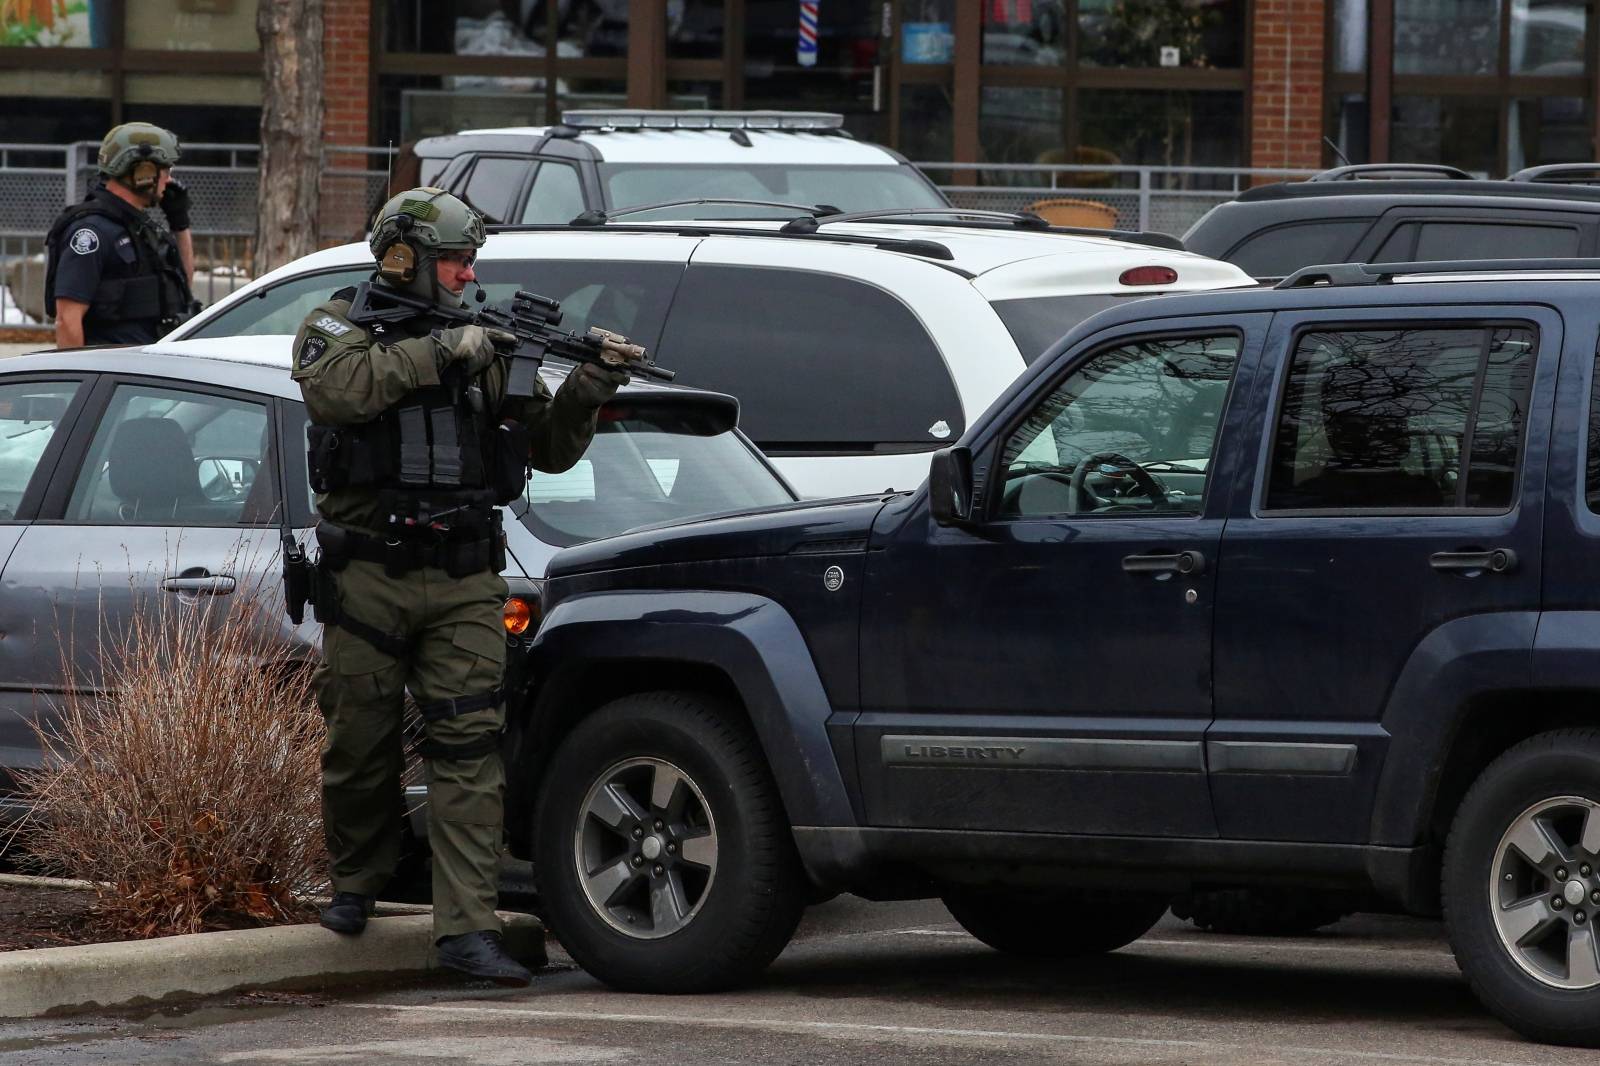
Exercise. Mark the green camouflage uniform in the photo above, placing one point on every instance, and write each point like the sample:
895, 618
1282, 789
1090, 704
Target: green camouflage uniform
453, 626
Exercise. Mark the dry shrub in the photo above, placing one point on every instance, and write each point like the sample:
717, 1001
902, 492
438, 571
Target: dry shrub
187, 787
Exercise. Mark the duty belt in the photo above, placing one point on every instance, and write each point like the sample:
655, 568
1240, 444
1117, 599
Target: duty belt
458, 557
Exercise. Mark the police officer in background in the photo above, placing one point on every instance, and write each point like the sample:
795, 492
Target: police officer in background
115, 276
413, 443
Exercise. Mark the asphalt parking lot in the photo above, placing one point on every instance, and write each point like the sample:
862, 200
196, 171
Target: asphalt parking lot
875, 983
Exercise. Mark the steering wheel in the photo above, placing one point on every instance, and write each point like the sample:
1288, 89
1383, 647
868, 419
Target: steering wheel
1143, 480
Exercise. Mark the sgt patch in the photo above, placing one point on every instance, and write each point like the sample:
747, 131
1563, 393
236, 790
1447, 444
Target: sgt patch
84, 241
331, 326
310, 351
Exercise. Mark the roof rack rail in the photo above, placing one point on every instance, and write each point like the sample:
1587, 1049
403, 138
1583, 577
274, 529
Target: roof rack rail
1342, 274
1560, 173
1370, 171
596, 217
920, 248
979, 219
627, 118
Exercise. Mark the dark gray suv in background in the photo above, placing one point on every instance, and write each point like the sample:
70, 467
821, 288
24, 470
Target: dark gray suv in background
1399, 213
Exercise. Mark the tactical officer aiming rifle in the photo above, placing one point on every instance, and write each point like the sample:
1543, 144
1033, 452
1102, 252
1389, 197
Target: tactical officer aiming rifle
532, 319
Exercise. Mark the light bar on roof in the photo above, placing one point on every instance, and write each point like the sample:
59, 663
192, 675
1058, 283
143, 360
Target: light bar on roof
630, 119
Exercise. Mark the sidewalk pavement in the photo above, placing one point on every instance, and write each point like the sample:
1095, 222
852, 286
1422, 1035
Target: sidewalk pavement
8, 350
398, 942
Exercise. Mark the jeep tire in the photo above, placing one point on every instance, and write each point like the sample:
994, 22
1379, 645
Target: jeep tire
662, 850
1521, 887
1054, 923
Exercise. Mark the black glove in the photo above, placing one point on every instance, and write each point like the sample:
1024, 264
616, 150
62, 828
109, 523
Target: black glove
175, 205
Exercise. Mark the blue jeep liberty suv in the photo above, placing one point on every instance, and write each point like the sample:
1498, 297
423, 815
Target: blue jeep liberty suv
1293, 587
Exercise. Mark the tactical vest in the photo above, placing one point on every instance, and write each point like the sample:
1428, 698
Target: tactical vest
437, 459
158, 291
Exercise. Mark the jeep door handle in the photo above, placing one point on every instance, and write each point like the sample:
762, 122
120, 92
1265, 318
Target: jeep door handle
1494, 561
1187, 562
200, 583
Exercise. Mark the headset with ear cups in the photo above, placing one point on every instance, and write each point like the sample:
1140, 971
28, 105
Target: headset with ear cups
399, 260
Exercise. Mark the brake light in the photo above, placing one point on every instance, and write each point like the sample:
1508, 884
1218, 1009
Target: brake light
519, 614
1151, 275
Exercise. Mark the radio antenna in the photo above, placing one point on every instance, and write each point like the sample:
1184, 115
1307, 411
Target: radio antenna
388, 179
1344, 160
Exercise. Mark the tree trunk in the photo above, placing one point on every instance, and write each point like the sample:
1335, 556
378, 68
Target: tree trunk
291, 131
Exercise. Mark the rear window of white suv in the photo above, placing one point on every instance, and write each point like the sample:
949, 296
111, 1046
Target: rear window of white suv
850, 188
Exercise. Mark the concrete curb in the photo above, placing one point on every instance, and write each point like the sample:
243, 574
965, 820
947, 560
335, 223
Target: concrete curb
133, 973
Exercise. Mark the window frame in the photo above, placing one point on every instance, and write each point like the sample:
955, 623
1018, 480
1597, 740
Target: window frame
518, 196
1391, 221
64, 478
1280, 391
987, 502
50, 460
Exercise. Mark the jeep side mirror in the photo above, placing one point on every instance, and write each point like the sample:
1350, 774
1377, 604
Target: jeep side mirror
950, 486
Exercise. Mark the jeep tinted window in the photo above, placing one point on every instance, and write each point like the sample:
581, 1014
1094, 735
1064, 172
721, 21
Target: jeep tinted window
1432, 241
1279, 252
493, 185
819, 362
624, 297
1403, 419
1143, 416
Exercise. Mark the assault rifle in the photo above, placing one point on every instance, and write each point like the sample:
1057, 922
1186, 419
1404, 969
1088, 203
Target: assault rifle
534, 320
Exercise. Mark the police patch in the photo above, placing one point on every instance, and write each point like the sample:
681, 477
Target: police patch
311, 351
85, 241
331, 326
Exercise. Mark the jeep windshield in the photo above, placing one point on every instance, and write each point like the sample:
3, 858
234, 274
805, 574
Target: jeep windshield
849, 188
648, 463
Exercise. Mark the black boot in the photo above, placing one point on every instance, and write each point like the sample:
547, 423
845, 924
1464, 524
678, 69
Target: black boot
347, 912
481, 954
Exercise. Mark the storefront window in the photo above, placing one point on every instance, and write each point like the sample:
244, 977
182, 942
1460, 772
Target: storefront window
694, 29
846, 74
927, 32
192, 25
1348, 48
54, 107
694, 95
1446, 37
1548, 129
199, 108
1018, 125
1548, 37
927, 123
1161, 33
467, 27
1025, 33
1352, 130
1460, 131
1153, 127
593, 28
413, 106
75, 24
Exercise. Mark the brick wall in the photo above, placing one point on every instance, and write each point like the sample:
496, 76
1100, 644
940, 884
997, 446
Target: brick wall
347, 66
1286, 84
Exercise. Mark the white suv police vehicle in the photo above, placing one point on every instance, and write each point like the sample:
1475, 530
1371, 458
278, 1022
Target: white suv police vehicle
856, 344
606, 160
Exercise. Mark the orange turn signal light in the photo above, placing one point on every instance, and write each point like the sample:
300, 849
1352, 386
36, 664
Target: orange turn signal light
517, 614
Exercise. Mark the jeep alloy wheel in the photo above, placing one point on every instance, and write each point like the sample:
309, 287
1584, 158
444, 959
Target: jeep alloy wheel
661, 847
1522, 887
645, 848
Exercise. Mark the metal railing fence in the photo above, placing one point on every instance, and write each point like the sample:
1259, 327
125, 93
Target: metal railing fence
1168, 199
37, 180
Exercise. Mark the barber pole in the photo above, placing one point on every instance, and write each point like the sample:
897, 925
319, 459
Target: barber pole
806, 54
